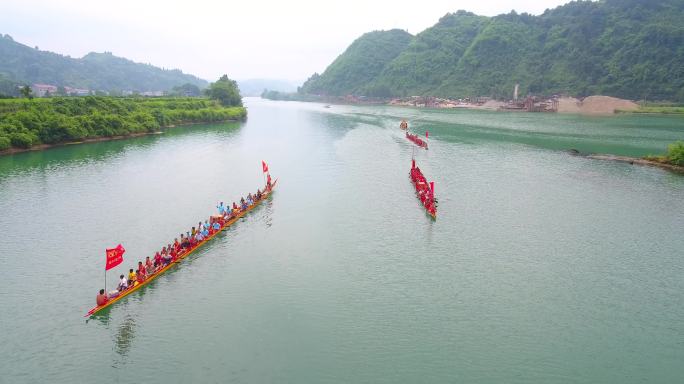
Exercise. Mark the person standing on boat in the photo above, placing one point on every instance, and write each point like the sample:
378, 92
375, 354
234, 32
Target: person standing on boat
221, 208
101, 299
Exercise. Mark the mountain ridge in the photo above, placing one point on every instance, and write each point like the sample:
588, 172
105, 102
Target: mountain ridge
631, 49
96, 71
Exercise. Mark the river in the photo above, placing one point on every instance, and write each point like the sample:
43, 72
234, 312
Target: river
541, 267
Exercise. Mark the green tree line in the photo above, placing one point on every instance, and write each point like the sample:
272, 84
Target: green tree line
25, 123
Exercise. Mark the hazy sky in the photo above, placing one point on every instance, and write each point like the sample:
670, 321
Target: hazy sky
245, 39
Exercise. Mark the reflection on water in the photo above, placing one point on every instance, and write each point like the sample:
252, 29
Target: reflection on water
88, 153
123, 339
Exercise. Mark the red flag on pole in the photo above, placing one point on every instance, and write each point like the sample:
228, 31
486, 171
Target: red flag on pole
264, 166
114, 257
427, 134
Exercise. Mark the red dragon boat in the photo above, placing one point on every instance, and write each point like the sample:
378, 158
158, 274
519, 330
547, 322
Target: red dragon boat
417, 140
424, 191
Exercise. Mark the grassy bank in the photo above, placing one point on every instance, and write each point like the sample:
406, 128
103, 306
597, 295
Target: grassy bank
39, 122
658, 108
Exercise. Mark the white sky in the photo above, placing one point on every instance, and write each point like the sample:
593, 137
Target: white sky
245, 39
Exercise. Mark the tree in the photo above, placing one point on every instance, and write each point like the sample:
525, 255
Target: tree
226, 91
187, 89
27, 92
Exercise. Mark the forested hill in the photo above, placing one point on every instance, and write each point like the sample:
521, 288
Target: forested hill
361, 63
625, 48
95, 71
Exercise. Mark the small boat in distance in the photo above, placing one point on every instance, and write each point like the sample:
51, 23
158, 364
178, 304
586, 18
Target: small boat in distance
424, 191
231, 219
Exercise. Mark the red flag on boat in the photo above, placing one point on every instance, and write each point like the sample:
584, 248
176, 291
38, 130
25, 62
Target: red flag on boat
268, 179
264, 166
427, 134
114, 257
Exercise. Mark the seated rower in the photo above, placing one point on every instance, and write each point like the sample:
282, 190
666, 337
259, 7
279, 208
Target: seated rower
167, 258
142, 272
193, 232
258, 194
199, 237
158, 259
101, 299
131, 278
141, 278
149, 267
123, 283
235, 207
216, 226
173, 255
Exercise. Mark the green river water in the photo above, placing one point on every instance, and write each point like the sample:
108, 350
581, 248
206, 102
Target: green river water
542, 267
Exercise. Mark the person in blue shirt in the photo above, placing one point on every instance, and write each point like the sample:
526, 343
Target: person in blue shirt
217, 226
221, 208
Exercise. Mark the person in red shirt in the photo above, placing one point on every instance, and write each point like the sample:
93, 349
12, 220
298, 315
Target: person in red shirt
142, 273
101, 299
149, 267
158, 260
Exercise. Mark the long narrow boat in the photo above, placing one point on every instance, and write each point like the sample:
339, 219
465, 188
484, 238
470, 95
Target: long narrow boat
424, 191
417, 140
183, 255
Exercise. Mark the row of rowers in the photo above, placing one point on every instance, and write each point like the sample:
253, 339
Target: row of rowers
172, 252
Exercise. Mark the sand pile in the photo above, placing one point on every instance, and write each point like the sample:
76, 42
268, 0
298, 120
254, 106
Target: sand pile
595, 105
492, 104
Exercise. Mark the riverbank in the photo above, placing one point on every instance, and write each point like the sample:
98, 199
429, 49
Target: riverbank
590, 105
45, 123
42, 147
639, 161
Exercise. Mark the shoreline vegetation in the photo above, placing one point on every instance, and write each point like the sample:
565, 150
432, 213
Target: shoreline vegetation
35, 124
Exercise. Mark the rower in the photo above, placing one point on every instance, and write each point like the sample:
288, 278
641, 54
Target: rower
101, 299
131, 277
235, 207
149, 267
123, 284
158, 258
221, 208
258, 194
142, 272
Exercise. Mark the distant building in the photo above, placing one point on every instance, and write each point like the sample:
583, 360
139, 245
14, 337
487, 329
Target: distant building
41, 90
152, 93
76, 91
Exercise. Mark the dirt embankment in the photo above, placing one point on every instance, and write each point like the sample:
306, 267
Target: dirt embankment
595, 105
